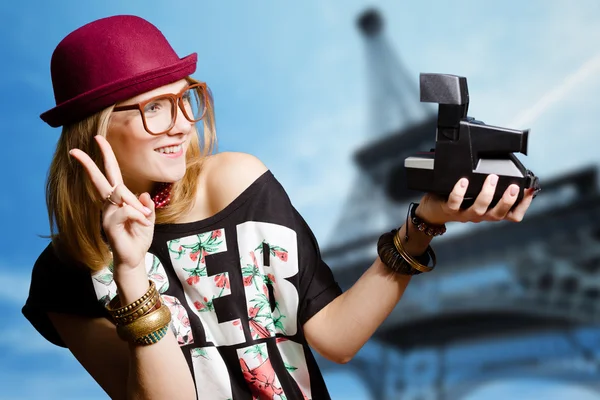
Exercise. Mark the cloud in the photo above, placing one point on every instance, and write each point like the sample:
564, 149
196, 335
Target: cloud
563, 126
580, 76
15, 287
21, 340
318, 172
61, 385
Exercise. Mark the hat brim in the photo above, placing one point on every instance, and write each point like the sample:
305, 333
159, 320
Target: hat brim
85, 104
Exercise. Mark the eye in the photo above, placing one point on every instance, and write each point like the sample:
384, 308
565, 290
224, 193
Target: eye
156, 106
152, 107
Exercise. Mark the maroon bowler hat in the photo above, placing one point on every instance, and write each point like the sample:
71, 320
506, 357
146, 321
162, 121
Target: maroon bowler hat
107, 61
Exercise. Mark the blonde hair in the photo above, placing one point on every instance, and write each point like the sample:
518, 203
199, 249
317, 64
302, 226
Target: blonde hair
74, 204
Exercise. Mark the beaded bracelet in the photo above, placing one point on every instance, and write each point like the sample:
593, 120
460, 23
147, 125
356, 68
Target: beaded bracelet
422, 226
146, 311
144, 308
153, 337
148, 326
117, 311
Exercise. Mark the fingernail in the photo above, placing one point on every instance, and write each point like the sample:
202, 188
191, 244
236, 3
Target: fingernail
147, 222
514, 190
147, 210
464, 182
493, 180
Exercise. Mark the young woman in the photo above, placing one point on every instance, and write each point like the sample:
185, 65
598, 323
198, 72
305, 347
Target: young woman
176, 273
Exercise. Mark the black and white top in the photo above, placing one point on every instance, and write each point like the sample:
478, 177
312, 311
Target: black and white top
240, 285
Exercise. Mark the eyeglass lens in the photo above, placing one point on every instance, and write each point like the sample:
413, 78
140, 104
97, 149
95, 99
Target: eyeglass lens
160, 113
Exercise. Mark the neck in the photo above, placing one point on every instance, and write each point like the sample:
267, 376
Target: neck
138, 187
160, 192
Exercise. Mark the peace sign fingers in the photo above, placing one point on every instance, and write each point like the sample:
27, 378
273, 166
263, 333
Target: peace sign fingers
98, 179
113, 173
111, 189
111, 165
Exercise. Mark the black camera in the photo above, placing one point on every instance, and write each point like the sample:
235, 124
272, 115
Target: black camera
466, 148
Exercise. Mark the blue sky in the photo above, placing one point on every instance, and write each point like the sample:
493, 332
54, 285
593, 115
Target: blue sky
290, 85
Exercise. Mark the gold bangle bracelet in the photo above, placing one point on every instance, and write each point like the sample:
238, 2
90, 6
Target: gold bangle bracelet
152, 298
153, 337
139, 312
116, 311
145, 325
410, 259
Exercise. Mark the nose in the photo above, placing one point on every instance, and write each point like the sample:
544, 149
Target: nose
182, 124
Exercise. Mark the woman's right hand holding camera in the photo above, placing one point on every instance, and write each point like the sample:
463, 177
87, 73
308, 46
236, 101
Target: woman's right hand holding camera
128, 221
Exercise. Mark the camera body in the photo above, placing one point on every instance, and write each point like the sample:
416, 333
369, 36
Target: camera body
466, 148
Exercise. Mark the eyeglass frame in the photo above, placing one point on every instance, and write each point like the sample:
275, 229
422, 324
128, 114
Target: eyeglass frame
176, 99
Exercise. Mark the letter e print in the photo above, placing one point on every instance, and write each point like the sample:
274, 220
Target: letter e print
189, 257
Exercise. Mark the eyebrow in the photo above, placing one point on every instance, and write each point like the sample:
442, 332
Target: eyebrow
139, 100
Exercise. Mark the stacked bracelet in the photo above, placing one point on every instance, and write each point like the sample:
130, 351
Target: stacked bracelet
392, 253
412, 261
142, 322
147, 327
394, 256
118, 312
138, 308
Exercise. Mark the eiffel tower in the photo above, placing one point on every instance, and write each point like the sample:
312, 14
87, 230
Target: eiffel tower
507, 300
394, 103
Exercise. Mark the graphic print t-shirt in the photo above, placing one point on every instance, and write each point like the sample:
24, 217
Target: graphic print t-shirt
240, 285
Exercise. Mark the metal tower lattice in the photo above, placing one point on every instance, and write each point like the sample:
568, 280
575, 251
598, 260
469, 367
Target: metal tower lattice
394, 95
512, 300
399, 126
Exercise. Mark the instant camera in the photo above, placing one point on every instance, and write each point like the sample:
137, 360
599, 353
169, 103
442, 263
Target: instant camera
466, 148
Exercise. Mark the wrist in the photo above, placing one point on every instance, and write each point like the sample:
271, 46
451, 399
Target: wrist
131, 283
424, 223
421, 214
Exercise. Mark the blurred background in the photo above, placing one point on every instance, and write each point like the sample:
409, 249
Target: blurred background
326, 94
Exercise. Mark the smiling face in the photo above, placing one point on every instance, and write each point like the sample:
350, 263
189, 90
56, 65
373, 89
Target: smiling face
144, 158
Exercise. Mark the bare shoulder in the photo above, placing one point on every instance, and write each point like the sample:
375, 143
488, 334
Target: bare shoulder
228, 174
